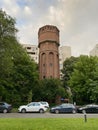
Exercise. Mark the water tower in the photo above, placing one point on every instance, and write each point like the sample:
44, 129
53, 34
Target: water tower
48, 38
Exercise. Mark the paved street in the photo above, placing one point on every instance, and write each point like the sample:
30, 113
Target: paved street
45, 115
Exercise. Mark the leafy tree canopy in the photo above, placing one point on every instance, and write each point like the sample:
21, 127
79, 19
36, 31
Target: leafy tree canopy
49, 90
68, 67
84, 80
18, 72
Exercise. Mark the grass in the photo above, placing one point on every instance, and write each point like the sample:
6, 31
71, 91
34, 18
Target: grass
48, 124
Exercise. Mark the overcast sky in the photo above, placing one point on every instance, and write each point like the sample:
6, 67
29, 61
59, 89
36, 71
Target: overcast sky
77, 21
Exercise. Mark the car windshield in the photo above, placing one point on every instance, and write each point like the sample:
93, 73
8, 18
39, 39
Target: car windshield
92, 105
6, 103
29, 104
34, 104
44, 103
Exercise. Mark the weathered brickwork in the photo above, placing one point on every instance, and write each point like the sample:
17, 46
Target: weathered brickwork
48, 37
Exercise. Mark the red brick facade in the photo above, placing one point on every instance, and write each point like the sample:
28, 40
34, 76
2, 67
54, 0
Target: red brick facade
48, 37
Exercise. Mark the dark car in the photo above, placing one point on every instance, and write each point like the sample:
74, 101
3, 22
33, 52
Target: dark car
5, 107
63, 108
88, 109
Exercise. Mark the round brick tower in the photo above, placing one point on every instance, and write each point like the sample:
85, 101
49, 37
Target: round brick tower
48, 38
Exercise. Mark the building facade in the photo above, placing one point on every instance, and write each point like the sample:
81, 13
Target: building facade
64, 53
48, 38
94, 51
32, 51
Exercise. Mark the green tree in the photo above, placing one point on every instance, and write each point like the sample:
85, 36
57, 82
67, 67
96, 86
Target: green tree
7, 37
24, 76
68, 67
7, 26
82, 81
18, 72
50, 90
94, 86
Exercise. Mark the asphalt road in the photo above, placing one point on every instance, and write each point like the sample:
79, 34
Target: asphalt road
45, 115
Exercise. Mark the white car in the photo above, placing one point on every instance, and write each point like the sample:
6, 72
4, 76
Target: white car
46, 104
32, 107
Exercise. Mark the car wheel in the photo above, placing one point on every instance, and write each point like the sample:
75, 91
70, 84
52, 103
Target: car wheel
5, 111
41, 111
23, 110
56, 111
83, 111
73, 111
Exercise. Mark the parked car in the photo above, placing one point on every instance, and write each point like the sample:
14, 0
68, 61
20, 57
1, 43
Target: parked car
32, 107
92, 108
46, 104
5, 107
63, 108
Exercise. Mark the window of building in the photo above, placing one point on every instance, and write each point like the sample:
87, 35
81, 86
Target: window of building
33, 53
28, 47
44, 77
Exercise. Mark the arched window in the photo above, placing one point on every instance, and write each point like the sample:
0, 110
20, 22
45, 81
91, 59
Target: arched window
51, 63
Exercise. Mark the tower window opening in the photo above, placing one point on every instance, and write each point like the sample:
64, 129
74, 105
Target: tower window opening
44, 77
51, 64
44, 65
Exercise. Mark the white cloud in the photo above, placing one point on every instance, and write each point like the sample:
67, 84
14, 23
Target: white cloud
27, 10
10, 7
76, 19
